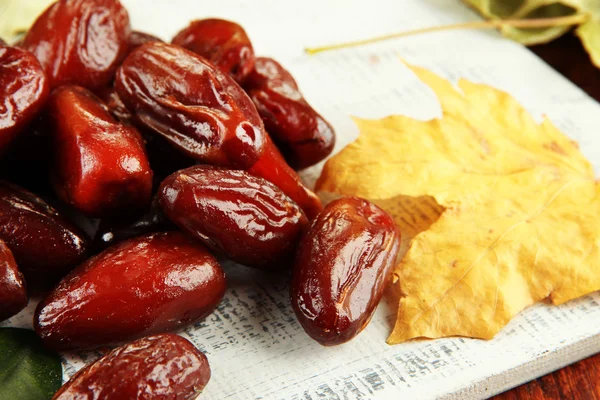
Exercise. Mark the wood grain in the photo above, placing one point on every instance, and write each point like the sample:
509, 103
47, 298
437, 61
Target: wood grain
580, 381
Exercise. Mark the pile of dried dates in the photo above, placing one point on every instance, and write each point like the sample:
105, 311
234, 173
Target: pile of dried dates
131, 166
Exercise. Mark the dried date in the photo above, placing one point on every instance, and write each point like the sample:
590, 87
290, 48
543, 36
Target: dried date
247, 218
157, 367
222, 42
80, 42
341, 268
146, 285
188, 101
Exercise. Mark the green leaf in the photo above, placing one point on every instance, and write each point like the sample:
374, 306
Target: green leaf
27, 370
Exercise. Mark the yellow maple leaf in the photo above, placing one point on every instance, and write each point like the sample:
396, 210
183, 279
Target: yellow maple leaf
504, 211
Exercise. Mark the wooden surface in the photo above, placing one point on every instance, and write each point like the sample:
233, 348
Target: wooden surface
580, 381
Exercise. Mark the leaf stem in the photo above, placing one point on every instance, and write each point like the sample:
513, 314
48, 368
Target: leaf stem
516, 23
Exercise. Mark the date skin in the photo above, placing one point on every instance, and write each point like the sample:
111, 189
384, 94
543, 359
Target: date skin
245, 217
100, 165
272, 167
150, 284
80, 42
23, 91
341, 268
159, 367
44, 243
222, 42
188, 101
302, 135
13, 291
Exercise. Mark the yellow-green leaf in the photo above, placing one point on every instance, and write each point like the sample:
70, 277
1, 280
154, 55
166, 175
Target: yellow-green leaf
523, 9
588, 31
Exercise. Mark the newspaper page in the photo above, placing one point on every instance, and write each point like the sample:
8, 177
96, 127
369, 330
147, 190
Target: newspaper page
256, 348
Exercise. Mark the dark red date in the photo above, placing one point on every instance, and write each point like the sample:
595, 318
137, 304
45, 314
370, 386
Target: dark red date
150, 284
222, 42
247, 218
341, 268
302, 135
13, 291
197, 108
157, 367
80, 42
23, 90
272, 167
101, 167
45, 245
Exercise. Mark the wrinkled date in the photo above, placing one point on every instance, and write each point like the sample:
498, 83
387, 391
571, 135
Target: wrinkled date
184, 98
101, 166
302, 135
341, 269
246, 217
80, 41
13, 292
272, 167
23, 91
163, 366
150, 284
222, 42
45, 245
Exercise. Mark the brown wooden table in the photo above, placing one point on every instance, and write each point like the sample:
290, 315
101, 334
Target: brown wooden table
580, 381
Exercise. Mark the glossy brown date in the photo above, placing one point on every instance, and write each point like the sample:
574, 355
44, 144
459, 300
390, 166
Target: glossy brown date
13, 291
158, 367
45, 245
341, 268
146, 285
23, 91
222, 42
245, 217
188, 101
302, 135
272, 167
80, 42
100, 165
